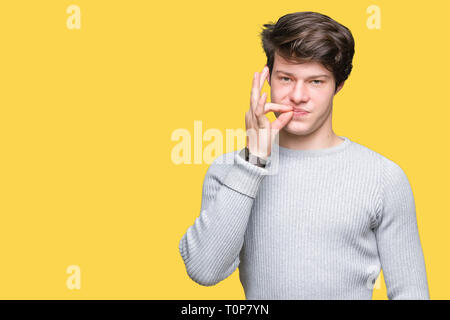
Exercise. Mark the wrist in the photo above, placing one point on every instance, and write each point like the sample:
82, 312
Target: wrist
253, 159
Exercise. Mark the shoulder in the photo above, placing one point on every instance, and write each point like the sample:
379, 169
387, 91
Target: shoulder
392, 179
392, 188
385, 172
384, 163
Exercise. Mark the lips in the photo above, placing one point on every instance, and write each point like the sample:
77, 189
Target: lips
300, 110
300, 114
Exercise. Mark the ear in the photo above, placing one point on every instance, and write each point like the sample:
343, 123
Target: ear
339, 87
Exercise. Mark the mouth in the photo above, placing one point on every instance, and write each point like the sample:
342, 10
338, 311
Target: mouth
300, 112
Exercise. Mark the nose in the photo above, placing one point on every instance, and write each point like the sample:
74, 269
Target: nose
299, 93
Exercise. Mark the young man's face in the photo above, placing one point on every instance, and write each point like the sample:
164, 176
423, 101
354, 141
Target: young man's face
309, 86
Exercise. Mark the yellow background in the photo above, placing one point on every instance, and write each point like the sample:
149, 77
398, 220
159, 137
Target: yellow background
86, 176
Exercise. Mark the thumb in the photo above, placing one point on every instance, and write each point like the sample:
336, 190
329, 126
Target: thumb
282, 120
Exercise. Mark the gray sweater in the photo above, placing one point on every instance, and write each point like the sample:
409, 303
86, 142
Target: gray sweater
313, 224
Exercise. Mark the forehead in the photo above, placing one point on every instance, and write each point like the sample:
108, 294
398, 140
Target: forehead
305, 69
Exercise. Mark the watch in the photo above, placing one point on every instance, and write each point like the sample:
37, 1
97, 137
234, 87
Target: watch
254, 159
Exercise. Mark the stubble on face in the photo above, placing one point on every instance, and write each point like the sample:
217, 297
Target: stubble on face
315, 98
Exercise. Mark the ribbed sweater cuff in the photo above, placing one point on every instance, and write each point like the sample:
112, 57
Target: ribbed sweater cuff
244, 176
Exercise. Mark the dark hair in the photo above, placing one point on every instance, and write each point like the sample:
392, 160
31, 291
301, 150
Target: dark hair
310, 36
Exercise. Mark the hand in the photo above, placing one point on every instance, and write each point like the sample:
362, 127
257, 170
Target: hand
260, 132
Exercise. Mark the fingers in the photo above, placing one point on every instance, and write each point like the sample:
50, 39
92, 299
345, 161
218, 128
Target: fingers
282, 120
259, 112
263, 77
276, 107
259, 129
257, 84
259, 107
255, 91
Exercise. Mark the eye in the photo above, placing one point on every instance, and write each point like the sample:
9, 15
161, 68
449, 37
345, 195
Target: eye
282, 78
317, 82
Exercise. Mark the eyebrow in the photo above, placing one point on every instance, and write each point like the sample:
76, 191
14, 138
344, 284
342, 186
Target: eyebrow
312, 76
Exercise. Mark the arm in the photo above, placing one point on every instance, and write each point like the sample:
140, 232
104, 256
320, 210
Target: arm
398, 241
210, 247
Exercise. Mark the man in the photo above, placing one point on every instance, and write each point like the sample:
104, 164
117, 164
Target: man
335, 212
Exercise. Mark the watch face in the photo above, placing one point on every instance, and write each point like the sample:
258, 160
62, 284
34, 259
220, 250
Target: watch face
254, 159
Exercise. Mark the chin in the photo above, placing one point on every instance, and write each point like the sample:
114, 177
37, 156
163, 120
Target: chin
298, 128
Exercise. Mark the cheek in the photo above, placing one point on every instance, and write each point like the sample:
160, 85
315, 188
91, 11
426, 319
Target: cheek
321, 99
277, 94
